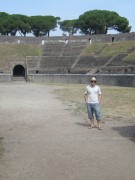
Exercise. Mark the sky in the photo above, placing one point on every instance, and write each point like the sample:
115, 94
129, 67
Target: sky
68, 9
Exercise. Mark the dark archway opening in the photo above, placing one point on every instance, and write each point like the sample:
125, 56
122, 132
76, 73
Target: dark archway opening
19, 71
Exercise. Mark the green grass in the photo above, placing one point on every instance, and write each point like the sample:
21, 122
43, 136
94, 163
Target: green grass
8, 51
130, 57
118, 103
110, 49
92, 49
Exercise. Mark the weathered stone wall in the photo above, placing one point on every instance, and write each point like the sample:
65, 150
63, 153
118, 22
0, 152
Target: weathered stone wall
5, 78
127, 80
106, 79
42, 40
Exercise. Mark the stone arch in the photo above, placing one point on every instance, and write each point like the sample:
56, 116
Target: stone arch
18, 71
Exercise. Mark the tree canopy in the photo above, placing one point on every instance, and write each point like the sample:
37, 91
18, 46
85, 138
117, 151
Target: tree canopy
91, 22
38, 25
100, 21
42, 25
69, 26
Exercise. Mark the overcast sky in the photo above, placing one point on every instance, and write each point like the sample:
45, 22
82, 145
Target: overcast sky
68, 9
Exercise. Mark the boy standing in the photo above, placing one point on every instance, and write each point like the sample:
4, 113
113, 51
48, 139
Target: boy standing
93, 99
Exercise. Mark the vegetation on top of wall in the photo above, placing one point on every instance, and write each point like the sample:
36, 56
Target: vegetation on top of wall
111, 49
8, 51
130, 57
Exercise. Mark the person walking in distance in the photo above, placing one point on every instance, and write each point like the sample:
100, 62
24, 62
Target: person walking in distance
92, 98
90, 41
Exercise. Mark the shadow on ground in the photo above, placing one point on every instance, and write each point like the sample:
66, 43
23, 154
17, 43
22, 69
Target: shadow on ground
83, 124
126, 131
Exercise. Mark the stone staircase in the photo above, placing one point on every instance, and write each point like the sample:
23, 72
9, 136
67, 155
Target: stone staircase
60, 57
115, 64
18, 78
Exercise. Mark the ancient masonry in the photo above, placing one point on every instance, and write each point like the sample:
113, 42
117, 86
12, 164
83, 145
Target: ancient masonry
63, 56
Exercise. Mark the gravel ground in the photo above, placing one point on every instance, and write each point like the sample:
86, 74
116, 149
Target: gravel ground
44, 141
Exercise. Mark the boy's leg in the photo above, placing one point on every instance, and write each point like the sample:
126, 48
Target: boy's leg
91, 123
97, 113
90, 115
99, 125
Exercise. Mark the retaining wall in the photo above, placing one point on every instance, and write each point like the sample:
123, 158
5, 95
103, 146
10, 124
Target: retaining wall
5, 78
82, 38
127, 80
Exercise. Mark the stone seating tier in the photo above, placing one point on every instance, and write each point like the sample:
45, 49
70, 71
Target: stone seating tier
61, 58
52, 62
91, 62
117, 70
118, 61
55, 70
32, 63
61, 49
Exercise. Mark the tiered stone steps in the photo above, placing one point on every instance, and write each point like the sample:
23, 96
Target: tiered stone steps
18, 78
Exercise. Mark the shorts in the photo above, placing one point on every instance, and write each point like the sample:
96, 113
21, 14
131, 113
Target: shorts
93, 109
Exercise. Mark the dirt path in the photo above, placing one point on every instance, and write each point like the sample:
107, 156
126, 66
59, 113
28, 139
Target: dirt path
44, 141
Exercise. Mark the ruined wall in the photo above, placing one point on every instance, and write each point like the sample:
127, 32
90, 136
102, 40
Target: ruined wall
5, 78
105, 79
127, 80
94, 38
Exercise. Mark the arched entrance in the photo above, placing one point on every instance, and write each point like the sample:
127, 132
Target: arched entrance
18, 71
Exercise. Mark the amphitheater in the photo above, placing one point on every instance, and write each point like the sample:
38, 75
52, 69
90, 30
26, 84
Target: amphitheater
42, 137
65, 61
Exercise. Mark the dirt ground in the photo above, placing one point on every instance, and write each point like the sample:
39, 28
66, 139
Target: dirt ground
42, 139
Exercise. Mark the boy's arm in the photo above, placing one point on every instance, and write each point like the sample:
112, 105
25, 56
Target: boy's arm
99, 98
85, 98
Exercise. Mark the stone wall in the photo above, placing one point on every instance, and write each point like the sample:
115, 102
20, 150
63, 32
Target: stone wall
127, 80
85, 38
106, 79
5, 78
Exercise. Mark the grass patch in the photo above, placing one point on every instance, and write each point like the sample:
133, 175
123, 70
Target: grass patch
109, 49
8, 51
92, 49
130, 57
117, 102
